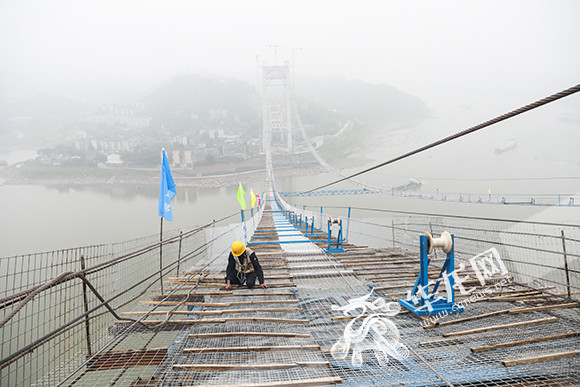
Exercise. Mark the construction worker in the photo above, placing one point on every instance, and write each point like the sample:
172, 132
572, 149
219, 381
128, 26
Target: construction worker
243, 267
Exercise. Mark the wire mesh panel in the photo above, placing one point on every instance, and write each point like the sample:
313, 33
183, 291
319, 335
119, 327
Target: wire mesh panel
538, 254
538, 262
58, 307
171, 321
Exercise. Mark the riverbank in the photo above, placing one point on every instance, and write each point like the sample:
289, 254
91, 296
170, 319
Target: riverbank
25, 174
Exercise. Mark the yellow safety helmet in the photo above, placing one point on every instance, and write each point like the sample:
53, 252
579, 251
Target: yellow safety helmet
238, 248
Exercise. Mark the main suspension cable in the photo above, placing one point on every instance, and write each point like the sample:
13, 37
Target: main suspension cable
462, 133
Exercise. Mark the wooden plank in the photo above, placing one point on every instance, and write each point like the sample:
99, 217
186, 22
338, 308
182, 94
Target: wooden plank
197, 272
470, 318
498, 327
314, 347
373, 262
253, 334
342, 318
513, 296
264, 302
374, 278
191, 281
254, 293
381, 269
443, 292
357, 257
239, 367
209, 312
173, 303
526, 341
534, 297
410, 285
541, 308
127, 358
442, 342
189, 294
156, 312
227, 311
222, 285
535, 359
407, 285
219, 320
382, 274
290, 383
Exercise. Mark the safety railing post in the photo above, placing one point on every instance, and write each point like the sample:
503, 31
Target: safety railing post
161, 256
253, 220
86, 307
244, 227
566, 263
321, 217
348, 224
329, 233
179, 252
393, 230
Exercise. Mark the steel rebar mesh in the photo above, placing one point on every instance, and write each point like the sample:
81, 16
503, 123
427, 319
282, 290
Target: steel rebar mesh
312, 283
64, 320
440, 361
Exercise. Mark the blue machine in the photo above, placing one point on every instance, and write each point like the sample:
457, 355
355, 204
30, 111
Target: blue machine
421, 301
309, 221
338, 248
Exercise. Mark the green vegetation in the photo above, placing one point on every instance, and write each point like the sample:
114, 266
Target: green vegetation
192, 102
350, 141
215, 121
374, 105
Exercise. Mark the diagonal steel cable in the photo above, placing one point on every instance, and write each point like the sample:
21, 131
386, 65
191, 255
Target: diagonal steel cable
462, 133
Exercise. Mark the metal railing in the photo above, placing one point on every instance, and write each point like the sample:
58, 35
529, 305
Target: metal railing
538, 254
57, 307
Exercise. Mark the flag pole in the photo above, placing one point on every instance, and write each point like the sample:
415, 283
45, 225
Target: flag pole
166, 193
161, 255
161, 240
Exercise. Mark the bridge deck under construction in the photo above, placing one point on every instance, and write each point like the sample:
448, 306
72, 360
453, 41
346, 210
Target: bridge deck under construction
197, 333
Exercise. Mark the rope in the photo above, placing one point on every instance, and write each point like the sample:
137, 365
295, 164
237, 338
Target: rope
465, 132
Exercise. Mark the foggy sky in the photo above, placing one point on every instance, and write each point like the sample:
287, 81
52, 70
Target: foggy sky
464, 50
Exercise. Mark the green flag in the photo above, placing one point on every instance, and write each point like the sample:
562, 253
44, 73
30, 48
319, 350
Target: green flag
241, 197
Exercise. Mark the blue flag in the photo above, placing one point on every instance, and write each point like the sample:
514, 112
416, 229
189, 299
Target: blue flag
166, 190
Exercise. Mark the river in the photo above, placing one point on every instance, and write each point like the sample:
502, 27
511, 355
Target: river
544, 163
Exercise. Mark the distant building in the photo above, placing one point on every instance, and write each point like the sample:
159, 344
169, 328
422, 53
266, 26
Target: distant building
182, 159
216, 133
128, 116
181, 140
114, 160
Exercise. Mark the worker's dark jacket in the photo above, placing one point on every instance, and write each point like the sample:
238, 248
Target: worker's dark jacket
238, 270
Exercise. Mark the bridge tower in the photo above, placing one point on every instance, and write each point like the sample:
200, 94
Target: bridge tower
277, 92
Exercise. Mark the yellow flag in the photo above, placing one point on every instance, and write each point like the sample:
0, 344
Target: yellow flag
253, 197
241, 199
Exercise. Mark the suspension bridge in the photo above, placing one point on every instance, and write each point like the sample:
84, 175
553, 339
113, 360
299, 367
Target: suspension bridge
350, 301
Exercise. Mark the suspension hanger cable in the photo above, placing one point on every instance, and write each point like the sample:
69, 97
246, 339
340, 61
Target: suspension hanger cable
462, 133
